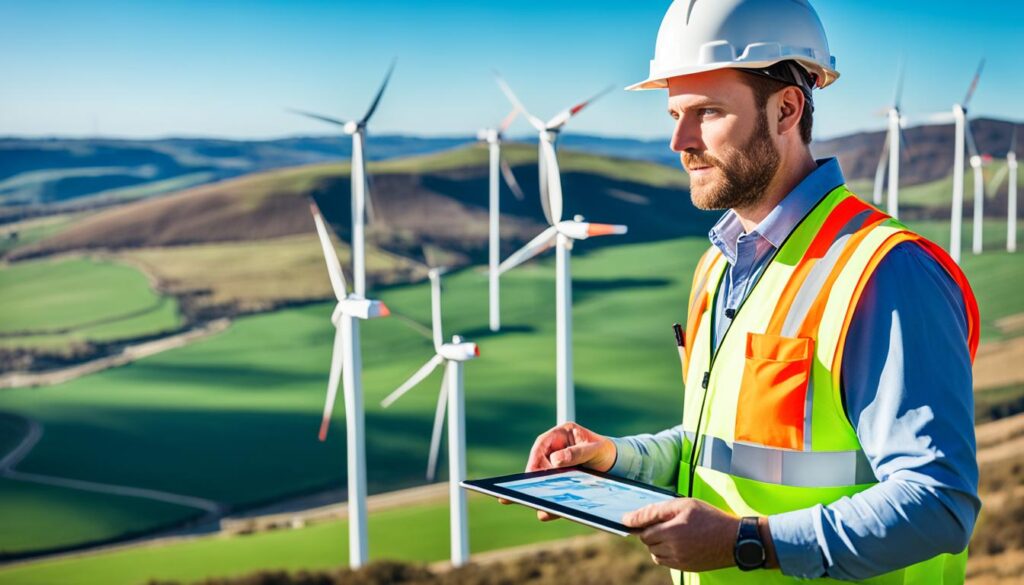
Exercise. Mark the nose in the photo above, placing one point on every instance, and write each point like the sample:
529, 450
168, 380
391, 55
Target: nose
687, 135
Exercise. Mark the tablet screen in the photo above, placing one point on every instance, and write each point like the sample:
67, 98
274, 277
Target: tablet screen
587, 493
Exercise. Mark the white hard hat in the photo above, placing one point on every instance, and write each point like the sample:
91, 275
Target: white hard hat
704, 35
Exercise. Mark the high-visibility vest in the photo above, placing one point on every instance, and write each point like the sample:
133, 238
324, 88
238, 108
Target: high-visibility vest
765, 430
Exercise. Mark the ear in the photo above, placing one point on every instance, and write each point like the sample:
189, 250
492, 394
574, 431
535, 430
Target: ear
791, 104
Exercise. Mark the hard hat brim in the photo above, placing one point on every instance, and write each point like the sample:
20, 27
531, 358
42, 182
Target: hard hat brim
660, 79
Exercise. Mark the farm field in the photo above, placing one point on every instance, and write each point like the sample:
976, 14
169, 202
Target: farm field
233, 418
255, 275
415, 533
55, 303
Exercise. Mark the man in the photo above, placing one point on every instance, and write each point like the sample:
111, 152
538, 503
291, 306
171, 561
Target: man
828, 412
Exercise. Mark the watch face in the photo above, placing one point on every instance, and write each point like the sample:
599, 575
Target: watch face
749, 554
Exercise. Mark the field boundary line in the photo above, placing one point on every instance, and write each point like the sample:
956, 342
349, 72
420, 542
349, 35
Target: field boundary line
35, 433
126, 356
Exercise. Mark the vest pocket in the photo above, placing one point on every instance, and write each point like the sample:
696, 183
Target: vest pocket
776, 375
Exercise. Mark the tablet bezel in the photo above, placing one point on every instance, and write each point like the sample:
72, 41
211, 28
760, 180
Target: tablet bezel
489, 486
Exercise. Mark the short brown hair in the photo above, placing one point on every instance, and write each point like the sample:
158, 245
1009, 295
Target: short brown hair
765, 87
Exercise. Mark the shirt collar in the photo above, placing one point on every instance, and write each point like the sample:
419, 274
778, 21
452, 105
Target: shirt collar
783, 219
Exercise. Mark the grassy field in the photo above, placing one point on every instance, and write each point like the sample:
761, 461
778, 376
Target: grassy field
22, 233
416, 533
233, 418
55, 303
243, 408
64, 517
257, 274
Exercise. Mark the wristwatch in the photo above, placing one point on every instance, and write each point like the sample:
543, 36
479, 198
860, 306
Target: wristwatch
749, 551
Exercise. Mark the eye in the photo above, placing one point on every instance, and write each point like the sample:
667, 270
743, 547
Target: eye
674, 115
706, 112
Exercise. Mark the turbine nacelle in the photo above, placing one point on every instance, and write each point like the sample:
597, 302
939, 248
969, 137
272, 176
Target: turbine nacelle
488, 135
976, 161
459, 351
359, 308
351, 127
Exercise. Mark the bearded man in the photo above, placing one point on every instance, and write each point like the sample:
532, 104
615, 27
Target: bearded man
827, 429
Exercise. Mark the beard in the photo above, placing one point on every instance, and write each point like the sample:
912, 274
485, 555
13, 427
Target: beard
743, 175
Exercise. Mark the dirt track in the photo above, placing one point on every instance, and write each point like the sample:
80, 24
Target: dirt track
126, 356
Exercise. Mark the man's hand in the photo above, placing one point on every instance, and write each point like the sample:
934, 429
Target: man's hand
690, 535
568, 445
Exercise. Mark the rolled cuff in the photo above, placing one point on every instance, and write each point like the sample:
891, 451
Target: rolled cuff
796, 544
627, 459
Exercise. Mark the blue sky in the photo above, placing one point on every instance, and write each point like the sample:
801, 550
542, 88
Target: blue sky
230, 68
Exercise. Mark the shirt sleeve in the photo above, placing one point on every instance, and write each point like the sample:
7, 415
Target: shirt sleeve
908, 393
651, 459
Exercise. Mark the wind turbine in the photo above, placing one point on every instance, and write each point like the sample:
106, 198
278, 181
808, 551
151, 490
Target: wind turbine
560, 234
493, 137
360, 196
452, 355
963, 133
346, 363
1011, 191
891, 154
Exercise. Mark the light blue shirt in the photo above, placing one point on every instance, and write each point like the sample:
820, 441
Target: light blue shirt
907, 391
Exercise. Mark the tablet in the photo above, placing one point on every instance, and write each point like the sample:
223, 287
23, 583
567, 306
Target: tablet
583, 495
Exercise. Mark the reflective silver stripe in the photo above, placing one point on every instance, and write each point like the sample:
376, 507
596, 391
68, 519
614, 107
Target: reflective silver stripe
699, 289
811, 286
810, 469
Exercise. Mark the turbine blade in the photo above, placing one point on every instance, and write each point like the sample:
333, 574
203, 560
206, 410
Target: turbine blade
564, 116
534, 121
327, 119
972, 146
380, 93
534, 247
554, 181
605, 229
997, 179
510, 179
898, 95
332, 383
974, 84
904, 145
508, 120
371, 211
435, 434
416, 378
334, 271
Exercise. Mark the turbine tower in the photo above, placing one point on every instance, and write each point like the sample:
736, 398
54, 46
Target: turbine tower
963, 135
560, 234
1011, 191
346, 364
451, 396
493, 138
360, 195
891, 154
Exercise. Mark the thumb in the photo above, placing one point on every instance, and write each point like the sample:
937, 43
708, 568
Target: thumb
648, 515
574, 454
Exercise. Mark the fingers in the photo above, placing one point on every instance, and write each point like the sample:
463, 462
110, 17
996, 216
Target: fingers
545, 516
574, 455
542, 447
649, 515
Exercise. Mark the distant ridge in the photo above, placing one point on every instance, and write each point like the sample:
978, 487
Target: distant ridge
437, 200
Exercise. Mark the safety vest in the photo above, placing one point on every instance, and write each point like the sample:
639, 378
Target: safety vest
765, 430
